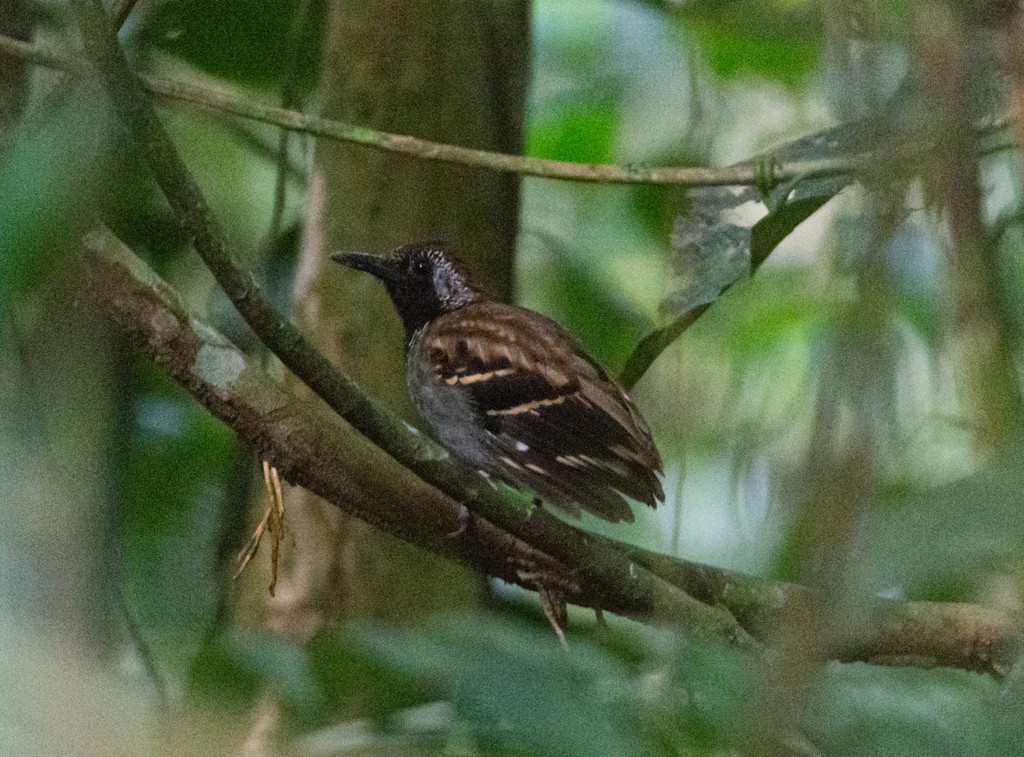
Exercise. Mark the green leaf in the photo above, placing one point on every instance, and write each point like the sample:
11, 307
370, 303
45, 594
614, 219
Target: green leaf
776, 40
863, 709
517, 687
944, 542
238, 667
242, 40
582, 132
52, 183
350, 673
174, 465
732, 53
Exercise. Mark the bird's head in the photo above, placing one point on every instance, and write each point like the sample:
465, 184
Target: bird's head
422, 279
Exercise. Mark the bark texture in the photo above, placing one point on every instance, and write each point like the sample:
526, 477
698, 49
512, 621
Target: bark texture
454, 72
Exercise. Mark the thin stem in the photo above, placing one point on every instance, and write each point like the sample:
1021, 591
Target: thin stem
740, 174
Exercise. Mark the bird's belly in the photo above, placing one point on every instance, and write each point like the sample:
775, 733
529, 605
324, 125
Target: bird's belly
446, 409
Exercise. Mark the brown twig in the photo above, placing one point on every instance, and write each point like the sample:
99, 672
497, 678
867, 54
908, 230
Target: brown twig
272, 522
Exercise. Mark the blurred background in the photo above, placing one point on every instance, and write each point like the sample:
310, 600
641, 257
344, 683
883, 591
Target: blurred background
848, 417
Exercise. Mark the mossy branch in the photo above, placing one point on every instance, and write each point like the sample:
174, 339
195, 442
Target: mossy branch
313, 448
595, 564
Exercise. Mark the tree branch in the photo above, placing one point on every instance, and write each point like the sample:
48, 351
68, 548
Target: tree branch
311, 447
744, 173
597, 564
881, 631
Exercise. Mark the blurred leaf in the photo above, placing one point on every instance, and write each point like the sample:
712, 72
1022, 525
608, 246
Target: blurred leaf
1011, 249
709, 252
242, 40
582, 133
761, 313
174, 470
944, 542
732, 52
863, 709
719, 693
616, 67
519, 690
777, 40
238, 667
52, 183
606, 324
350, 673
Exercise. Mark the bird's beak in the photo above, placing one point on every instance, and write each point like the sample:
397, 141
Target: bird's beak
382, 268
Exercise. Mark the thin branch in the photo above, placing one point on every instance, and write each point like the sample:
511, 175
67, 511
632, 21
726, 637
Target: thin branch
313, 448
219, 100
597, 565
651, 346
880, 631
740, 174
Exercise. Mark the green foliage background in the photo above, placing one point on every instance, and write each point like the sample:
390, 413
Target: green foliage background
137, 564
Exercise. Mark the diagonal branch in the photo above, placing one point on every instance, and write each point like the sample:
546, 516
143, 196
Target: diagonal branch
312, 447
596, 563
605, 574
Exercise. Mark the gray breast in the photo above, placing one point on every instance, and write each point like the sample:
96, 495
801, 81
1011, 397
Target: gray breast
447, 410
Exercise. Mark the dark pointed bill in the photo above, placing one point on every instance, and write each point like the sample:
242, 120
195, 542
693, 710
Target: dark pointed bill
375, 265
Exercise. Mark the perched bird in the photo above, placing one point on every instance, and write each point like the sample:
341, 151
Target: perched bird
511, 392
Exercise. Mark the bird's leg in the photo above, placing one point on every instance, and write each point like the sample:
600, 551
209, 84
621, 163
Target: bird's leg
552, 602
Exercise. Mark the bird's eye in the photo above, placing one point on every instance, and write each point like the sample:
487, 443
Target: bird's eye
420, 266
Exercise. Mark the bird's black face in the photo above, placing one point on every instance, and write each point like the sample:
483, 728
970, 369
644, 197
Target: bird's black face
421, 278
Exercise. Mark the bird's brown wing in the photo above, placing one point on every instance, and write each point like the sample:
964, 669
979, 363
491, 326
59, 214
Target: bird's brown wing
552, 420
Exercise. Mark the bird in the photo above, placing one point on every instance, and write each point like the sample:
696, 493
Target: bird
511, 392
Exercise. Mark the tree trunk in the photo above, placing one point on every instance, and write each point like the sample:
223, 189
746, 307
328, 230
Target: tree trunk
448, 71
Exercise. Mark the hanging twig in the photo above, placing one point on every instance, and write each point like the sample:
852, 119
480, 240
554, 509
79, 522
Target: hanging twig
272, 522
